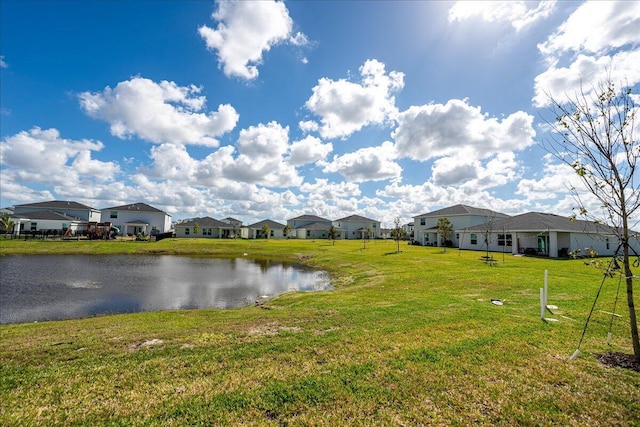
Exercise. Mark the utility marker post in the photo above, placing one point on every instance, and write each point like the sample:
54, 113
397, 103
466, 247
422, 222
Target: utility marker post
544, 297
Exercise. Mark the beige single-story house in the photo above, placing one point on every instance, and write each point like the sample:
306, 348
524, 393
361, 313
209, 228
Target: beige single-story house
206, 227
255, 231
544, 234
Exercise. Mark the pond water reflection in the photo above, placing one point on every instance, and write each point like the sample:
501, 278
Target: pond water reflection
54, 287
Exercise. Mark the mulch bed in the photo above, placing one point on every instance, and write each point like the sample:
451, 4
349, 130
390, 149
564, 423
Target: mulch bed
619, 360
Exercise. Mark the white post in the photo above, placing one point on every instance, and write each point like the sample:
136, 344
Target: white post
546, 287
542, 304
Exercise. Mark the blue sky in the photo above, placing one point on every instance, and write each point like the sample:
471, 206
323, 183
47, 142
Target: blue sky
266, 109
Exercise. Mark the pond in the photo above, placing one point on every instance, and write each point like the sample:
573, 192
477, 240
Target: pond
55, 287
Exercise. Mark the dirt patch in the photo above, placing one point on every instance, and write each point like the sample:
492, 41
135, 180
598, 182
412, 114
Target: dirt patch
619, 360
303, 257
146, 344
272, 330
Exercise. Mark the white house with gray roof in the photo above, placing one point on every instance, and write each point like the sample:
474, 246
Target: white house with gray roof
545, 234
64, 207
425, 226
309, 227
54, 215
137, 218
255, 231
354, 227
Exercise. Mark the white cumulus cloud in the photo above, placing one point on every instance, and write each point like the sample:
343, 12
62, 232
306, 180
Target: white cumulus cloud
247, 29
598, 40
345, 107
438, 130
308, 150
159, 112
53, 160
366, 164
518, 13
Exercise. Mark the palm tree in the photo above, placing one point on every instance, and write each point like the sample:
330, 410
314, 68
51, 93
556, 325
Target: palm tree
6, 223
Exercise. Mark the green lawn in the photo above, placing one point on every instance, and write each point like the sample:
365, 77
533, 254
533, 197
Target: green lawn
407, 338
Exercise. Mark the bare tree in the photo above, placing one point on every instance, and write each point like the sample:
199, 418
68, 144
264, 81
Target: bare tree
398, 233
487, 235
594, 134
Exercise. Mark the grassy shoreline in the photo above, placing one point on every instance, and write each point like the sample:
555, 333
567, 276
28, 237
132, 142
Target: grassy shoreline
406, 338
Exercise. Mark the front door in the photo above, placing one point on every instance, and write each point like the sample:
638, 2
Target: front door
543, 244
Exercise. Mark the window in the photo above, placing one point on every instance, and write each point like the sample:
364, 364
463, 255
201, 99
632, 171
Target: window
206, 232
504, 240
113, 214
34, 226
607, 243
457, 236
186, 231
272, 233
423, 221
474, 239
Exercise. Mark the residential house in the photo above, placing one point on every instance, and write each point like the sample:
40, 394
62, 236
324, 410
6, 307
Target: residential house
461, 217
137, 218
408, 229
48, 223
309, 227
206, 227
232, 221
256, 231
544, 234
357, 227
52, 215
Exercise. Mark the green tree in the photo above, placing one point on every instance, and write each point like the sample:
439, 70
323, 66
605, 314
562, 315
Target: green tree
593, 133
6, 223
196, 229
444, 230
286, 230
333, 234
398, 233
265, 231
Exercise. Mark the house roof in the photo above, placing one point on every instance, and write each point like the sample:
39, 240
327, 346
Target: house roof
309, 218
540, 222
206, 222
463, 210
357, 218
47, 216
142, 207
231, 220
57, 204
272, 224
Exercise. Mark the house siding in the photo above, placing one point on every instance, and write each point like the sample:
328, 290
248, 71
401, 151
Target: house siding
127, 220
